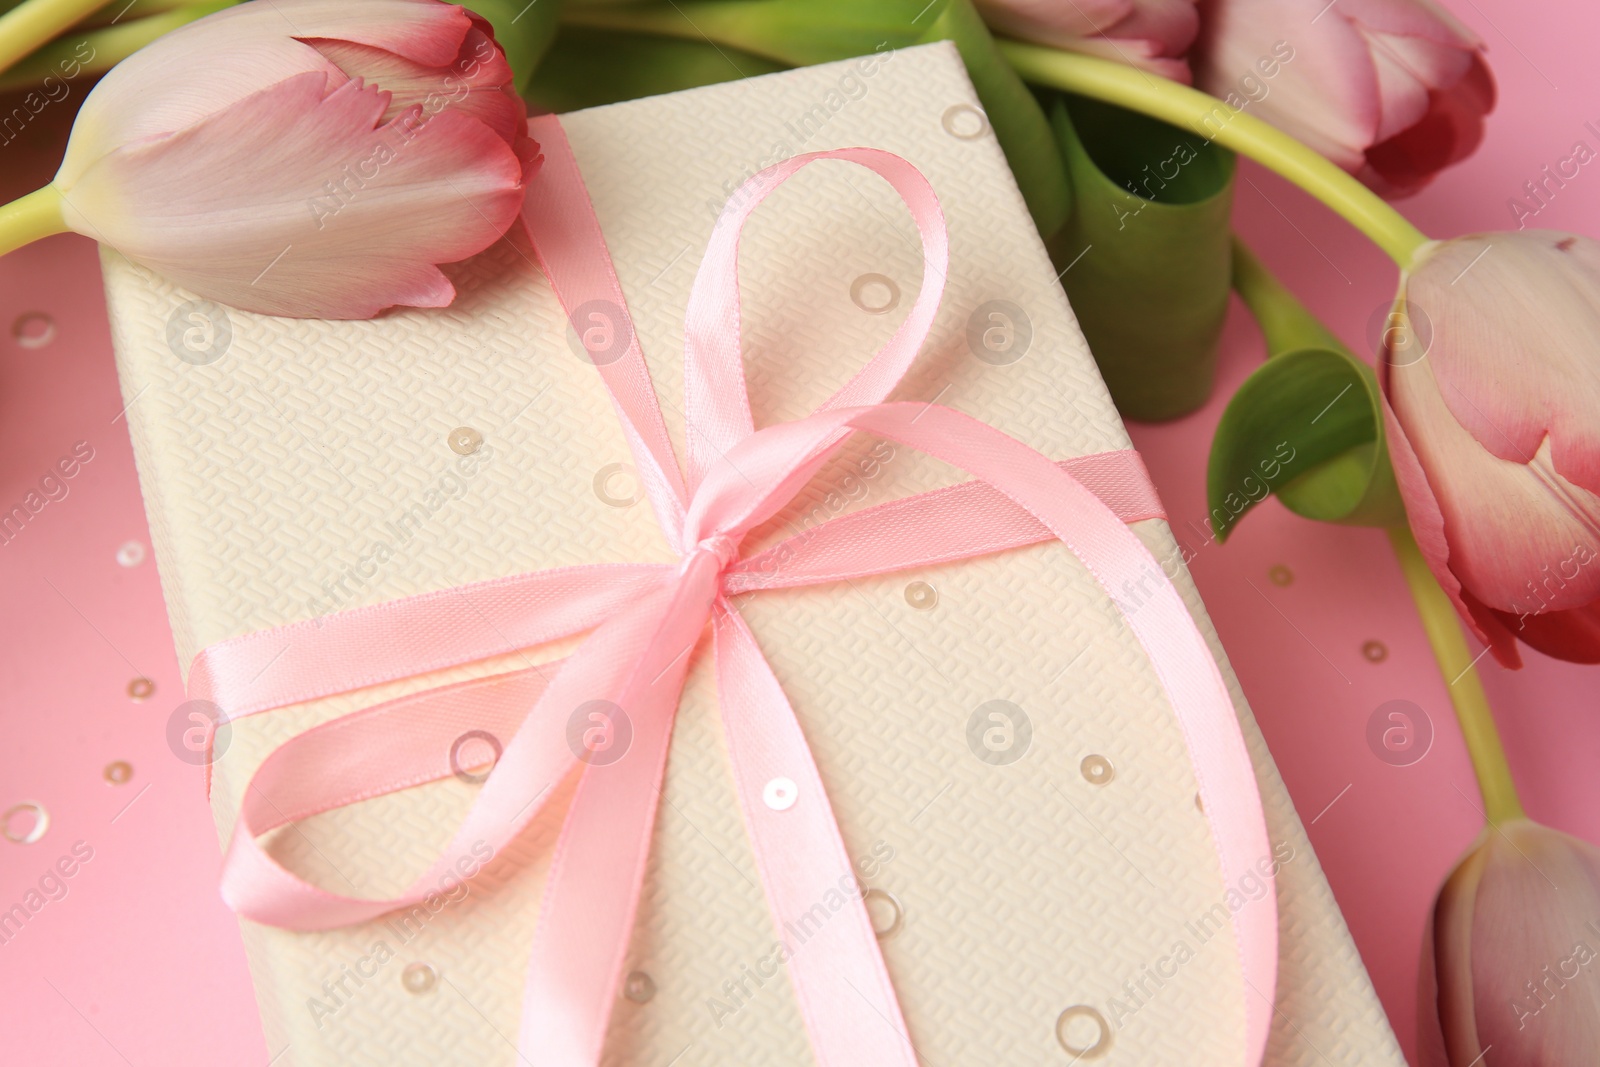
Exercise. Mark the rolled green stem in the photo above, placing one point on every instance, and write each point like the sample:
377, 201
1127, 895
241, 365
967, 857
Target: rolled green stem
33, 22
98, 50
1439, 620
28, 218
1285, 323
1214, 120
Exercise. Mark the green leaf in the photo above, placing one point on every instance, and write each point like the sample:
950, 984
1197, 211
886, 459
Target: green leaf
1145, 256
588, 67
802, 32
1307, 426
794, 32
523, 29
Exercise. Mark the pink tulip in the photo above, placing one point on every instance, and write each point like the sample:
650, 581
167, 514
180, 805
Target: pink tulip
1511, 960
1494, 426
315, 158
1152, 34
1391, 90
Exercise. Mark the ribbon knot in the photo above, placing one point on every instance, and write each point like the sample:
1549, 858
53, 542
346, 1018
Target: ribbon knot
644, 621
720, 547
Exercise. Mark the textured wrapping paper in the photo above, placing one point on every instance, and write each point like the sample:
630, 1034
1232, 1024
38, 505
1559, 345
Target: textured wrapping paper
1042, 879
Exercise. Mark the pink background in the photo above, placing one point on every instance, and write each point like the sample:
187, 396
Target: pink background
140, 963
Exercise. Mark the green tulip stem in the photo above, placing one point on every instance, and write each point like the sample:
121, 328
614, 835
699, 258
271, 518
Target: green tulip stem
1214, 120
28, 218
33, 22
1443, 628
1285, 323
108, 45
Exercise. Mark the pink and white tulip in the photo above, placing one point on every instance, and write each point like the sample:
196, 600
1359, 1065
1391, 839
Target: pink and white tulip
1150, 34
1494, 424
1511, 958
314, 158
1391, 90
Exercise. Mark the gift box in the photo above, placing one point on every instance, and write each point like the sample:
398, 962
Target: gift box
1048, 892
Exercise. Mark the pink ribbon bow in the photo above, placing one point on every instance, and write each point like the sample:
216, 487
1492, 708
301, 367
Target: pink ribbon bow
644, 622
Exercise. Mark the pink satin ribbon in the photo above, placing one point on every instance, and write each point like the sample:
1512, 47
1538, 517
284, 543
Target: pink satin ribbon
644, 622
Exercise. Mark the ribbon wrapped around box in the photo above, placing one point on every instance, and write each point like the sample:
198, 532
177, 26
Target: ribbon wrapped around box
571, 671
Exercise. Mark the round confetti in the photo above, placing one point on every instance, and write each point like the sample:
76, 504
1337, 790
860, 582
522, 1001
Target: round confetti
418, 977
464, 440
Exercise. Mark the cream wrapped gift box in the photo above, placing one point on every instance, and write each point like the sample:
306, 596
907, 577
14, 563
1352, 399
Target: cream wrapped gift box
1068, 898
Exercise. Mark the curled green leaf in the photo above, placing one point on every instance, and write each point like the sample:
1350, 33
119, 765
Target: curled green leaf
1145, 255
1307, 426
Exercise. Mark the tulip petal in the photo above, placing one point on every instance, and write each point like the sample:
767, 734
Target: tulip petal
1141, 54
1515, 540
1427, 527
1450, 132
362, 211
1326, 95
1409, 70
1052, 22
1572, 635
1517, 314
219, 60
1536, 921
474, 83
1412, 18
1447, 1017
1152, 35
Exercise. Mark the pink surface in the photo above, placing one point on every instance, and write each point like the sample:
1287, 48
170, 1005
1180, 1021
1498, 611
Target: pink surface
140, 962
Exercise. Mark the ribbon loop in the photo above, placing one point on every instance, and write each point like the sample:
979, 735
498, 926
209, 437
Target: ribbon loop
716, 402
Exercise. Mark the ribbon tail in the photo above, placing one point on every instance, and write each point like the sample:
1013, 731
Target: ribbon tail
597, 875
835, 967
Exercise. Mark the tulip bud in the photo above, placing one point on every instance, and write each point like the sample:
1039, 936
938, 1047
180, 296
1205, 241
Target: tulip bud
1493, 417
1150, 34
1511, 958
305, 157
1392, 90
